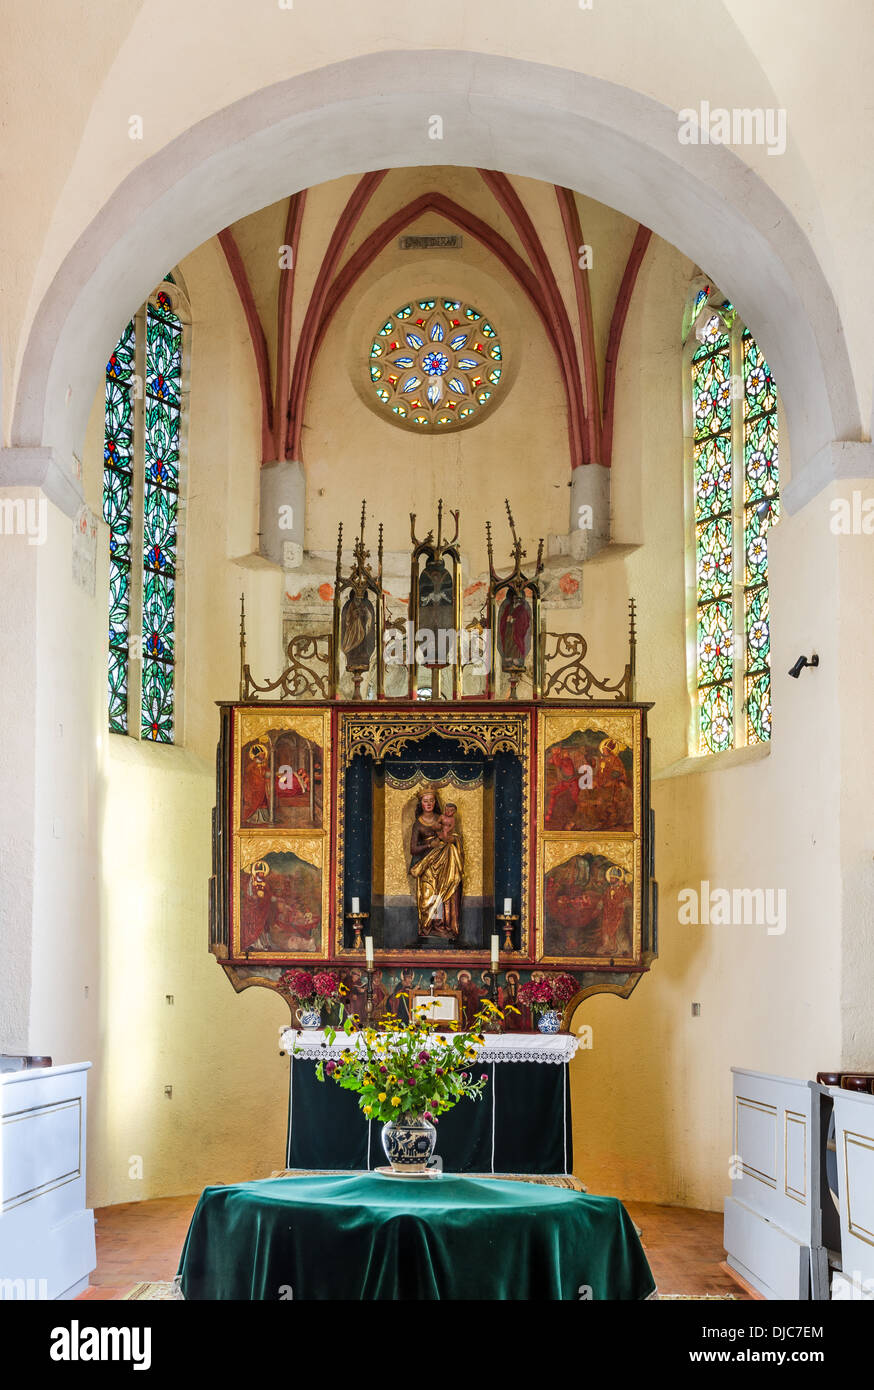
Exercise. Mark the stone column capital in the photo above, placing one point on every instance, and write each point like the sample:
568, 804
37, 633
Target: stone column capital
42, 468
839, 460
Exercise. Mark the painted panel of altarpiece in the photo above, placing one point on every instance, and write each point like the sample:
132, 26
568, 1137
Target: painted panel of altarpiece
589, 904
590, 771
550, 810
280, 879
590, 835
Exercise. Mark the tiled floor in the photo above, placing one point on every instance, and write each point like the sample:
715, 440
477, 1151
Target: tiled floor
684, 1249
138, 1241
142, 1241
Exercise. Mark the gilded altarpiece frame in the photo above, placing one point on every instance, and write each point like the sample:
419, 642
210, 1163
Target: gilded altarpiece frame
590, 837
581, 838
280, 814
376, 734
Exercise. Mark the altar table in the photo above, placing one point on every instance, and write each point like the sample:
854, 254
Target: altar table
366, 1237
521, 1124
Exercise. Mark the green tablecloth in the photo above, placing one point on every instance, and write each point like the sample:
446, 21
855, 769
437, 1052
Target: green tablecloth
371, 1237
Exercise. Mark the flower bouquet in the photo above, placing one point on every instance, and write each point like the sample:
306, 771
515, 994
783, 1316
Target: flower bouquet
312, 993
547, 998
406, 1075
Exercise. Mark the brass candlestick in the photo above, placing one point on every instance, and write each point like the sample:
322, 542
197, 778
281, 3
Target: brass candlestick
495, 1024
507, 919
357, 919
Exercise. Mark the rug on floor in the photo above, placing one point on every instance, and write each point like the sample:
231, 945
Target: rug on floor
156, 1291
159, 1292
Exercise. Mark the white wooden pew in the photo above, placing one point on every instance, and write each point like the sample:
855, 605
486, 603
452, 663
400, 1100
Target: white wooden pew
854, 1139
46, 1232
773, 1218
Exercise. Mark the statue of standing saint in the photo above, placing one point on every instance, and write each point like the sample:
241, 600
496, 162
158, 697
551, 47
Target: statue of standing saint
514, 630
437, 865
357, 631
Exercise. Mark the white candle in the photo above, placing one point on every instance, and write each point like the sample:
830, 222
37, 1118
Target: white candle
495, 950
356, 905
368, 951
508, 906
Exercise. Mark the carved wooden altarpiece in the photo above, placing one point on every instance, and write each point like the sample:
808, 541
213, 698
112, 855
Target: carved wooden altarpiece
326, 807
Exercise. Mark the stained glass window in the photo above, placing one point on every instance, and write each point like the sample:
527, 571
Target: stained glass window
435, 364
118, 459
735, 488
761, 509
160, 505
141, 479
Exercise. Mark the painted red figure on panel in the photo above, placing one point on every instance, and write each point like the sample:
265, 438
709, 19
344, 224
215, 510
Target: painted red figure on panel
256, 773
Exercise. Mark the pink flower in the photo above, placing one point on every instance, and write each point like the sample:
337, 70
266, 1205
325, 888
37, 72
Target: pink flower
535, 992
411, 1081
426, 1115
552, 990
564, 987
326, 984
299, 983
424, 1056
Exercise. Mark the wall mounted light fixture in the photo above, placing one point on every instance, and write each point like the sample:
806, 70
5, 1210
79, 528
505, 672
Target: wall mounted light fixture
801, 663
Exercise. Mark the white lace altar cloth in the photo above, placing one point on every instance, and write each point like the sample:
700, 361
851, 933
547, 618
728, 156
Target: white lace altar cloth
311, 1045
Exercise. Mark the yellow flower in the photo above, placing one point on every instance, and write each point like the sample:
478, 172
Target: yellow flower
381, 1097
343, 989
395, 1100
367, 1109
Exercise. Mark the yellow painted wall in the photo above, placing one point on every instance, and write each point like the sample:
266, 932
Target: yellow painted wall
219, 1051
652, 1098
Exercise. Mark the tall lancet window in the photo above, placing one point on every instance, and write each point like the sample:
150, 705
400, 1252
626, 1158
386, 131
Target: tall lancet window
143, 443
734, 500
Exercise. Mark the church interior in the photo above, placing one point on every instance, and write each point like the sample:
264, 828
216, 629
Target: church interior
436, 479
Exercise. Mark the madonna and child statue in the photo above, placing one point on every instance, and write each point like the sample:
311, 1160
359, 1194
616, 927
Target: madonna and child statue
437, 868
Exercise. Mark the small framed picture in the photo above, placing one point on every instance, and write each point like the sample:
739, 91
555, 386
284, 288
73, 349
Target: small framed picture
444, 1005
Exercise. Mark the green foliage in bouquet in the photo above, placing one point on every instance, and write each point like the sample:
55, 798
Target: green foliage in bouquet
401, 1070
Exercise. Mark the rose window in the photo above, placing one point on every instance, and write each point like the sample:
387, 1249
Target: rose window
435, 364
